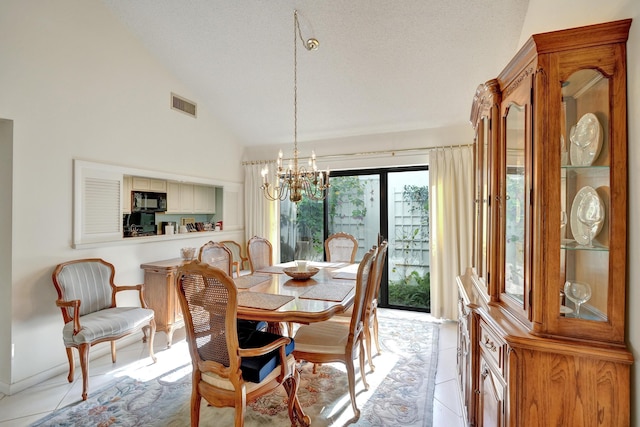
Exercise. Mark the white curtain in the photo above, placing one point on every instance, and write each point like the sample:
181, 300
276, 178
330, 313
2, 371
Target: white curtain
451, 218
262, 217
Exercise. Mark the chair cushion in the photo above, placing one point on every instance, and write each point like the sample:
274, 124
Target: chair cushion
225, 384
110, 322
255, 369
255, 325
322, 337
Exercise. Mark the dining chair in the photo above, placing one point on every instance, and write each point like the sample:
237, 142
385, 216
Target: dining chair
341, 247
238, 259
370, 319
87, 299
231, 366
327, 341
260, 253
217, 255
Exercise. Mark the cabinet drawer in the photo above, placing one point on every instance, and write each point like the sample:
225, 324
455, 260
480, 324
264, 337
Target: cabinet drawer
492, 346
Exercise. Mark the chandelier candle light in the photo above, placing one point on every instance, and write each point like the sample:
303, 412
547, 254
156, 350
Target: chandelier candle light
296, 180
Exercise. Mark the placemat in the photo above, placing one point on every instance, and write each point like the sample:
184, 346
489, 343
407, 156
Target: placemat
246, 282
262, 301
272, 269
348, 272
328, 292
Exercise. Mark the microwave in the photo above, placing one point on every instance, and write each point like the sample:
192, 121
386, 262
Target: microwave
145, 201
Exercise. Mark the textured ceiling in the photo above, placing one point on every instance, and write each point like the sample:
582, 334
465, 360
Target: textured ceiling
382, 66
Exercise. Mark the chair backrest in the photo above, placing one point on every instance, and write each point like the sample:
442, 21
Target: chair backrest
88, 280
236, 252
260, 253
378, 266
362, 282
209, 301
341, 247
216, 255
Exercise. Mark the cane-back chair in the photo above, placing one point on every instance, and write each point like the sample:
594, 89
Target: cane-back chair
260, 253
341, 247
328, 341
87, 298
239, 260
231, 366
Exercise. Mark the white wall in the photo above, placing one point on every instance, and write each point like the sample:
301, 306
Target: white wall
77, 84
549, 15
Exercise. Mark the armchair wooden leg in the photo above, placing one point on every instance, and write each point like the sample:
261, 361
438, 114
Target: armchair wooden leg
83, 349
152, 333
72, 365
196, 400
113, 351
241, 406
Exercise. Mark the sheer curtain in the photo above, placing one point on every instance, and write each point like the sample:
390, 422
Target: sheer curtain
262, 216
451, 217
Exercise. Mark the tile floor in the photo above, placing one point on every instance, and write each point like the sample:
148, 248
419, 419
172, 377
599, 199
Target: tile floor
23, 408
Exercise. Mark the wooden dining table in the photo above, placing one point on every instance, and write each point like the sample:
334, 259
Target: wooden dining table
271, 295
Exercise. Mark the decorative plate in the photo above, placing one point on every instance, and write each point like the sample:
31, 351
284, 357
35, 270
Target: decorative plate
579, 230
300, 275
586, 140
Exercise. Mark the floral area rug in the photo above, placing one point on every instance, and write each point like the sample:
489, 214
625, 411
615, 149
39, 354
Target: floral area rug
400, 391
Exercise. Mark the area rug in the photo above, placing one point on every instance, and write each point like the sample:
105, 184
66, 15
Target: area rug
400, 391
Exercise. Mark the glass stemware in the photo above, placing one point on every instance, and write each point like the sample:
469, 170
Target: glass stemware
578, 292
590, 213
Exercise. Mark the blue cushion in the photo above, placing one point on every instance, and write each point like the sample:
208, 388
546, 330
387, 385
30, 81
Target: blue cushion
255, 369
252, 324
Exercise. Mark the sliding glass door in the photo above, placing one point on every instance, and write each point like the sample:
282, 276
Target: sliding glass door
392, 203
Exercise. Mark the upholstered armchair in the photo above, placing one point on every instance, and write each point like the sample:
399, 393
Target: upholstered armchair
231, 366
341, 247
87, 298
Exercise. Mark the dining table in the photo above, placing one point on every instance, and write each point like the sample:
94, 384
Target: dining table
269, 294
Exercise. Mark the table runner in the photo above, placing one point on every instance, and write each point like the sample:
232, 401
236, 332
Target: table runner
262, 301
328, 292
246, 282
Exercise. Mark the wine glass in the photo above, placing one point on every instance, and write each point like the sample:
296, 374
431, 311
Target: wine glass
578, 292
591, 214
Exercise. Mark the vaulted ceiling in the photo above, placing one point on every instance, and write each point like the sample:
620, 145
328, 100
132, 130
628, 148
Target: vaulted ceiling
382, 65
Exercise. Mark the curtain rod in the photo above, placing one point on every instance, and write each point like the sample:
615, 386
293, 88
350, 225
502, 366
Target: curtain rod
364, 153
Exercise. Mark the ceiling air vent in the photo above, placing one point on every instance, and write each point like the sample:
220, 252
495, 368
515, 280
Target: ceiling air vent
181, 104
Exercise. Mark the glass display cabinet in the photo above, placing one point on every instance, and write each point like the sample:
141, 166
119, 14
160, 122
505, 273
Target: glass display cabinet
542, 310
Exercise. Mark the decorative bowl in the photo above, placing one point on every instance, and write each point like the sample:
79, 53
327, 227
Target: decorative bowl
188, 253
300, 275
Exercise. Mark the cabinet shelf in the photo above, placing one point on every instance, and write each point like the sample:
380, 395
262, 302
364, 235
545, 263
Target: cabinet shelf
572, 245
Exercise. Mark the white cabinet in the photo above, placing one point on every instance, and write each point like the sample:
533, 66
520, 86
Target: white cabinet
126, 194
140, 183
204, 199
190, 198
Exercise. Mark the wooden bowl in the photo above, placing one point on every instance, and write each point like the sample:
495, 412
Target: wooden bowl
300, 275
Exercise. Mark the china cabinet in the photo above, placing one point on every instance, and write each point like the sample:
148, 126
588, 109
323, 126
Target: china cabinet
542, 310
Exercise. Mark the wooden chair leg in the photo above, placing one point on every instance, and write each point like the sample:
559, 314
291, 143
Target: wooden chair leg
83, 349
367, 339
196, 399
375, 330
364, 378
241, 406
72, 365
351, 376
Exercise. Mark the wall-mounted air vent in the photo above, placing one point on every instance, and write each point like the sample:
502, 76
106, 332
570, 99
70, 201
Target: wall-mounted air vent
184, 105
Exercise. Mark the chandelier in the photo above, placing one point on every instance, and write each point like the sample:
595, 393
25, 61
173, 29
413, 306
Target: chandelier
296, 180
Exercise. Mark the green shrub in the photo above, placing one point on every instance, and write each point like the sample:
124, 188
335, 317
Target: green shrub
413, 291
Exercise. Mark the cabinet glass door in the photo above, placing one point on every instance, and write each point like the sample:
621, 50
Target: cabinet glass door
585, 196
483, 202
515, 206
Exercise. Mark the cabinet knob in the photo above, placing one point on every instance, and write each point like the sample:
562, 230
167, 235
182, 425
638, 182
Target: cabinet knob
489, 345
